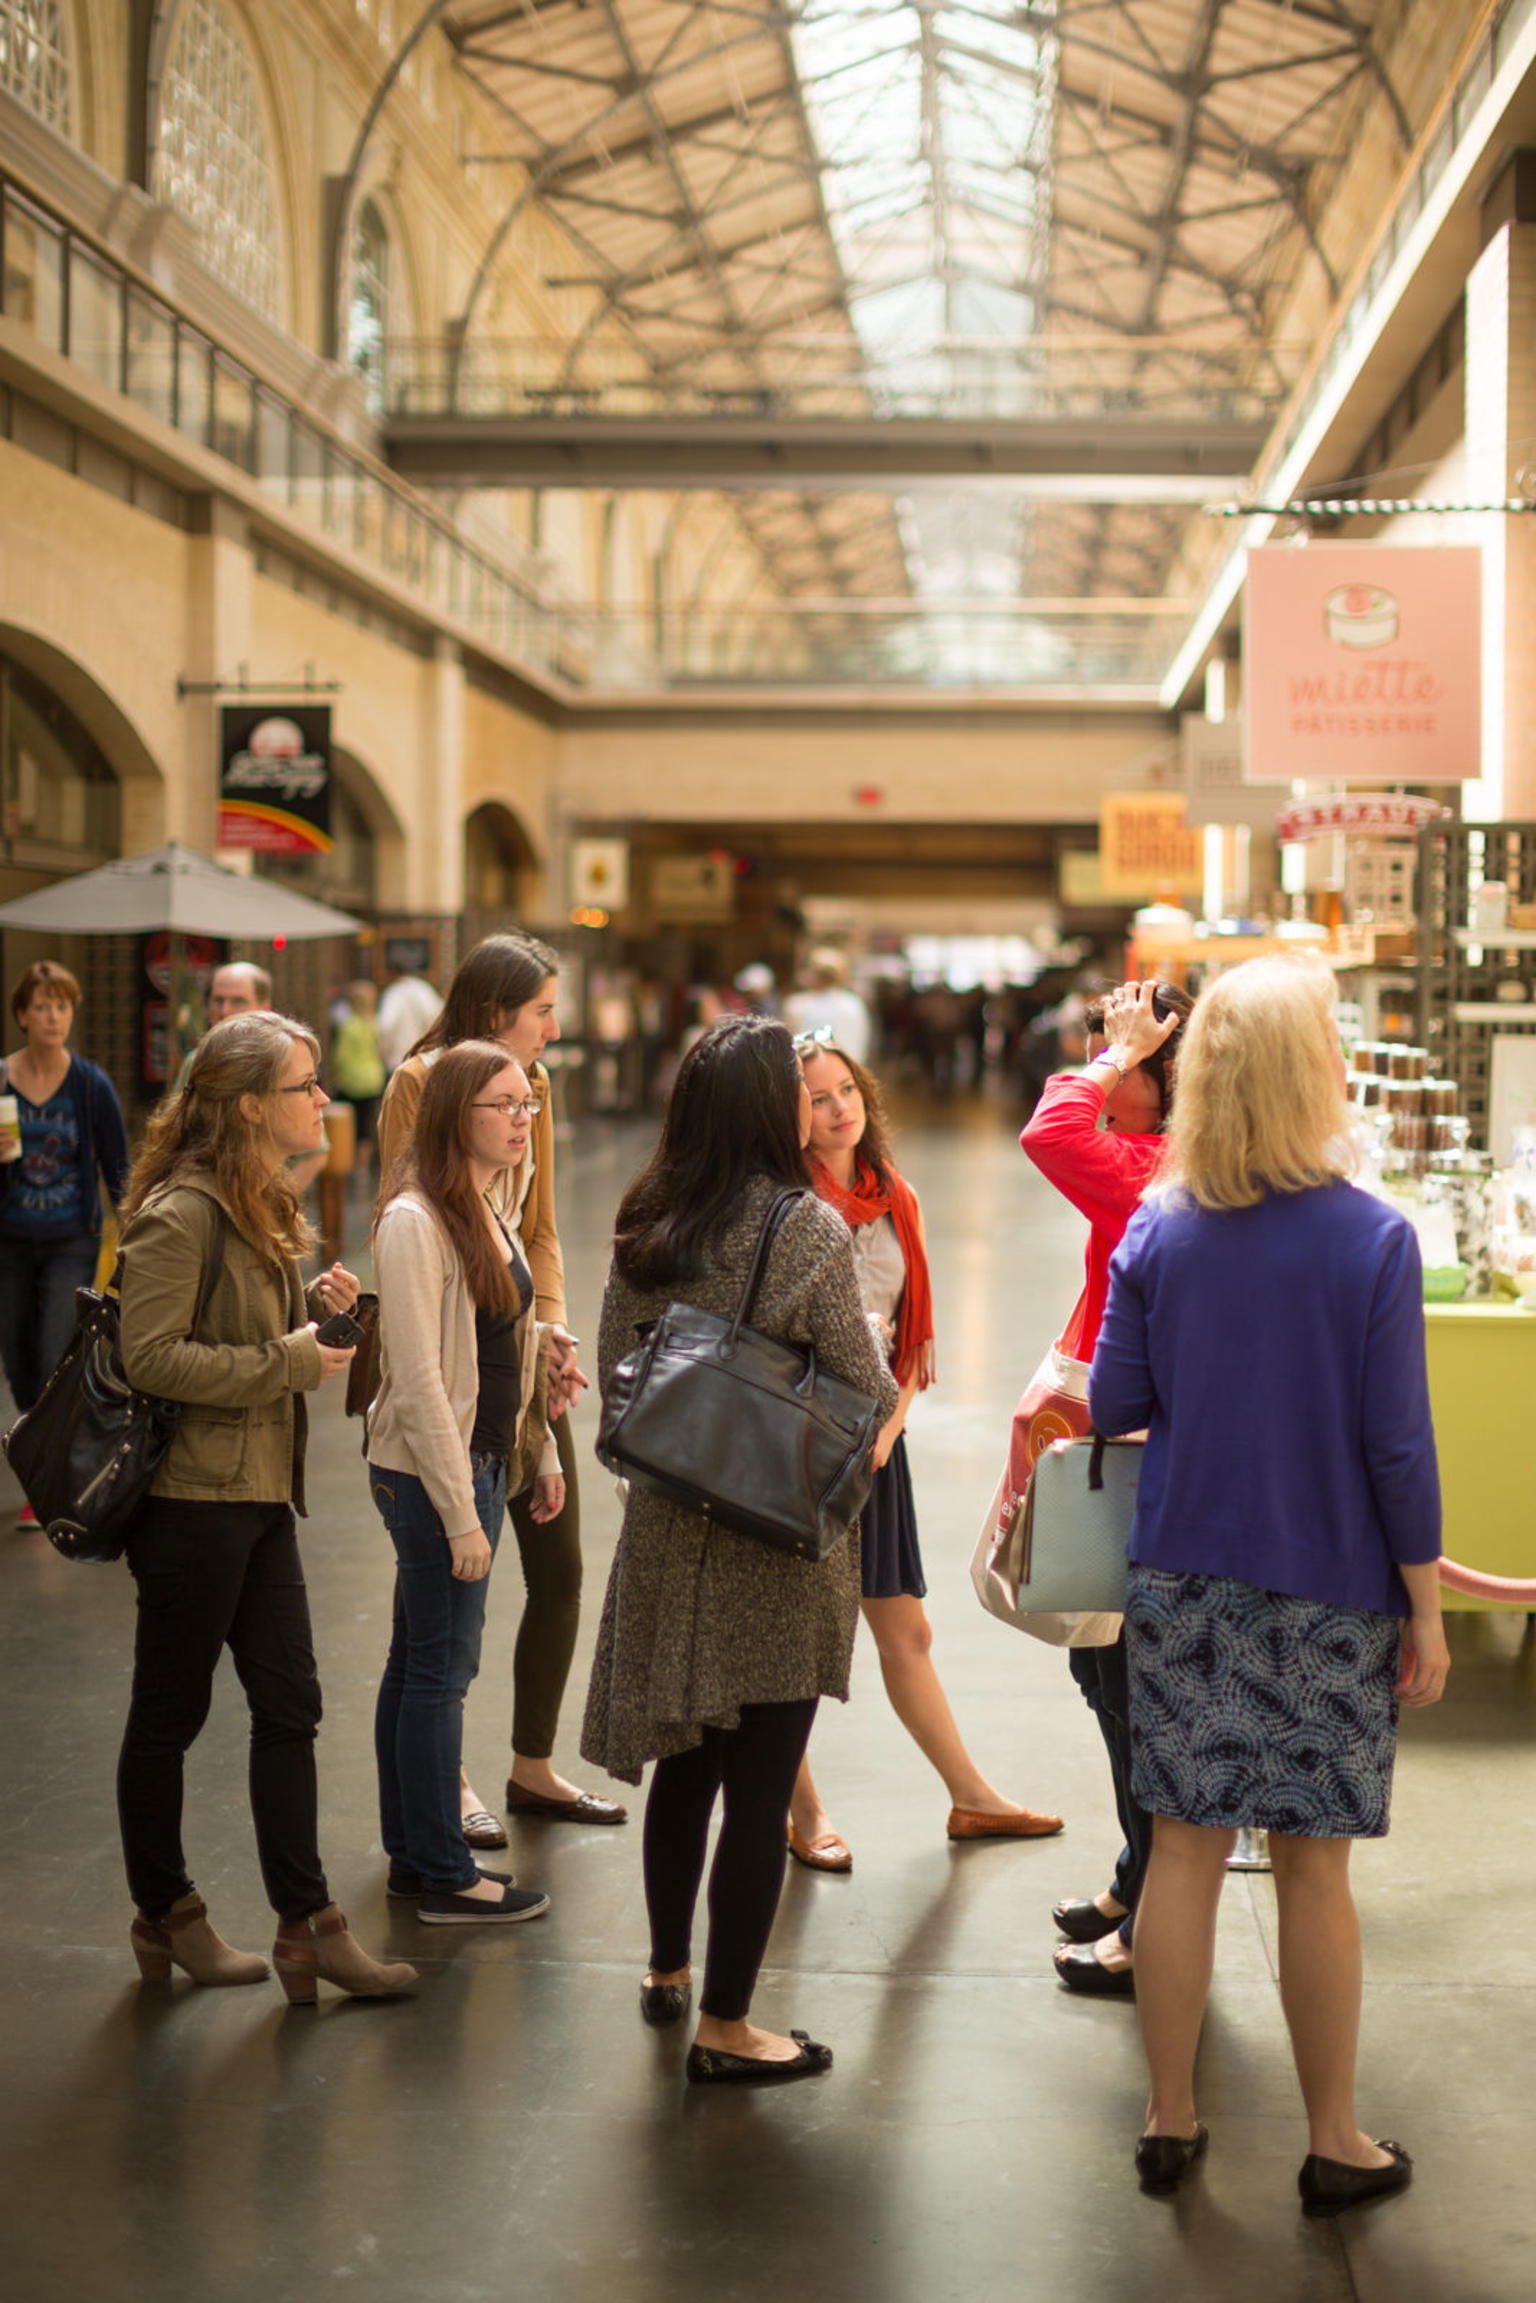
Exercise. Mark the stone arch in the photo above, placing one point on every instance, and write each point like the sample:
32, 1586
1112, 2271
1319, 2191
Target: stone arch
364, 871
501, 867
110, 726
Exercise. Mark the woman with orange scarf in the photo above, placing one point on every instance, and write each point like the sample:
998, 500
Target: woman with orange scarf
851, 1164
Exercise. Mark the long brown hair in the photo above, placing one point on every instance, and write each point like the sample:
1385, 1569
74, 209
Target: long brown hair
436, 1164
874, 1146
203, 1133
502, 974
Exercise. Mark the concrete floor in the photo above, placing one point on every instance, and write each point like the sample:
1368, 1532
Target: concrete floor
514, 2128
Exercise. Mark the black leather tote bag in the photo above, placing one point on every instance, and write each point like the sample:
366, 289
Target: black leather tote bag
746, 1430
86, 1452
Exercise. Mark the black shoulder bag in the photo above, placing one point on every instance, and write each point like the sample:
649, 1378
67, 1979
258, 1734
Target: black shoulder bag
87, 1451
746, 1430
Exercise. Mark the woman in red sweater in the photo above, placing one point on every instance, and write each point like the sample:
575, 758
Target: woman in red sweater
1097, 1136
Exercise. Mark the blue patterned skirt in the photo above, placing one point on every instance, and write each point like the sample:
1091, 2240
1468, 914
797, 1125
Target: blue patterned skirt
1251, 1708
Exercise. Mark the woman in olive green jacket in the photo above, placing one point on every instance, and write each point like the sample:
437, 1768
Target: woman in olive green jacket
214, 1314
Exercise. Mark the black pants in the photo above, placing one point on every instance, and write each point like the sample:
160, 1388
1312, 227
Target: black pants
212, 1575
755, 1764
546, 1640
1101, 1674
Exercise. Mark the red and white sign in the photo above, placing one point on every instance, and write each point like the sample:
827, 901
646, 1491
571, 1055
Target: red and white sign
1363, 662
1359, 815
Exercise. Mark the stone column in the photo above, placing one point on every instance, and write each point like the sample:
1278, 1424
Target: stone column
1501, 462
437, 873
218, 643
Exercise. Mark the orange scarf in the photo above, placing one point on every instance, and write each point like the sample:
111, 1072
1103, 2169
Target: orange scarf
865, 1201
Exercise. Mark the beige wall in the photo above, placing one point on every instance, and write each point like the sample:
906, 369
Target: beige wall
931, 768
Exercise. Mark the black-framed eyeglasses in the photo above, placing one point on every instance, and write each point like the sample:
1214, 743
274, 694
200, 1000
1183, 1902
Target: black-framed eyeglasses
507, 1108
306, 1087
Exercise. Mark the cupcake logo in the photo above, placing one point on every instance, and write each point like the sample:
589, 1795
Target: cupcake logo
1360, 616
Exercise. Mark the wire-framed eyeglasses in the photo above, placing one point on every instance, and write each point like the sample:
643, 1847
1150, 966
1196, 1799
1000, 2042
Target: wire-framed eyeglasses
507, 1108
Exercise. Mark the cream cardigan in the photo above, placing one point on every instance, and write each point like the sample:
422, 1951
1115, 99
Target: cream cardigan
424, 1411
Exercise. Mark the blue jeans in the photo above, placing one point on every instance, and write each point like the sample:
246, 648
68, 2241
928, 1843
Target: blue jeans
434, 1653
38, 1279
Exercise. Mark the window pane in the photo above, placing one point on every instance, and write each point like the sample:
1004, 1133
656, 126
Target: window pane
151, 355
234, 414
34, 273
274, 423
96, 318
193, 383
308, 474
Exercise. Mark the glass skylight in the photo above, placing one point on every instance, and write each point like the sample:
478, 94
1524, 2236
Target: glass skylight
934, 124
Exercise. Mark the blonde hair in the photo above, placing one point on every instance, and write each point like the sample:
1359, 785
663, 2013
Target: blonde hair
203, 1132
1261, 1105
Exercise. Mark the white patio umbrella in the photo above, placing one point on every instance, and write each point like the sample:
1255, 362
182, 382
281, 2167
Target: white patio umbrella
174, 887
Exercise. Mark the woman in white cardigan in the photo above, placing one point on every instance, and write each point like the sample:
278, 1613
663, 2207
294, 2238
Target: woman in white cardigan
460, 1397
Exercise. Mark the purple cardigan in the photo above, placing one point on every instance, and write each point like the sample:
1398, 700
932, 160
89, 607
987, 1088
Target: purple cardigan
1276, 1356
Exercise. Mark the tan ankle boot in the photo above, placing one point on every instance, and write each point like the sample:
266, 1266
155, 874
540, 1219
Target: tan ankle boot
184, 1936
306, 1949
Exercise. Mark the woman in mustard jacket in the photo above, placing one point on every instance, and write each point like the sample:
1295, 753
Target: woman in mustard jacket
213, 1550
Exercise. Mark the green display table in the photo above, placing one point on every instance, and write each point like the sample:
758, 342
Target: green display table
1482, 1393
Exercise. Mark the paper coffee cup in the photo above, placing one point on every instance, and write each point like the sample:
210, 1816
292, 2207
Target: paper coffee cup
10, 1128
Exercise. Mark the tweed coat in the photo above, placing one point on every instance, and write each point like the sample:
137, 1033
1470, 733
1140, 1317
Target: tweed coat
699, 1620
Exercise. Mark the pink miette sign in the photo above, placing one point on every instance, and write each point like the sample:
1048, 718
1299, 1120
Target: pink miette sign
1362, 660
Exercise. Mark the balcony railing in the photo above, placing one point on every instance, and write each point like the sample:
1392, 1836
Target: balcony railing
812, 377
76, 299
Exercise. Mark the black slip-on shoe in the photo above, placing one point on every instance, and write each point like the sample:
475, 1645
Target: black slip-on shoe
714, 2067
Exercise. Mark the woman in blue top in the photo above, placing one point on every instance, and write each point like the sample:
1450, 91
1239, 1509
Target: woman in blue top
72, 1139
1265, 1324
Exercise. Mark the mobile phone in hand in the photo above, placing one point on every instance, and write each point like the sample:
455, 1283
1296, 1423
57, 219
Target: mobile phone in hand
340, 1331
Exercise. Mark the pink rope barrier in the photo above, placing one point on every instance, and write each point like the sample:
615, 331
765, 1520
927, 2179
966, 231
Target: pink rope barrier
1511, 1591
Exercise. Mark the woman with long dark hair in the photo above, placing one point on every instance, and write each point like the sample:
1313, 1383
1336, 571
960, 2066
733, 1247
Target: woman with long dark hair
214, 1551
852, 1168
457, 1403
506, 990
714, 1650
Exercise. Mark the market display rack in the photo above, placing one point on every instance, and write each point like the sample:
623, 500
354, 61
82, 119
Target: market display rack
1473, 986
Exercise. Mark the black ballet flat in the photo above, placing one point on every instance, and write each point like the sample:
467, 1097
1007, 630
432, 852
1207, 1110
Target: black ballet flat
665, 2002
1328, 2186
1081, 1969
714, 2067
1163, 2161
1083, 1922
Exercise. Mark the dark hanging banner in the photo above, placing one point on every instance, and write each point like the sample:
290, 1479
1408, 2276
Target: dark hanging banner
275, 778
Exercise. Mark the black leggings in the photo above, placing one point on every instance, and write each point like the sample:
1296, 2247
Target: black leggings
755, 1763
551, 1555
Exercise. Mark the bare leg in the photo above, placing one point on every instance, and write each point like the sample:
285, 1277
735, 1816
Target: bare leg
806, 1812
1175, 1951
904, 1637
1320, 1989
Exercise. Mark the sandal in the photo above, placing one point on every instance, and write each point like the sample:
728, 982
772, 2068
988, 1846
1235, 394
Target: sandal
828, 1853
482, 1830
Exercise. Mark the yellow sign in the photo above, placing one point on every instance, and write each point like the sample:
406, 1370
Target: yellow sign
1146, 848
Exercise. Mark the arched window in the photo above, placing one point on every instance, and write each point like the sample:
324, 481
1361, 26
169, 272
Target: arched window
212, 160
34, 58
368, 313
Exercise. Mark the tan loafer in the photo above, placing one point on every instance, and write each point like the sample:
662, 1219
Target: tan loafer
971, 1823
828, 1853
